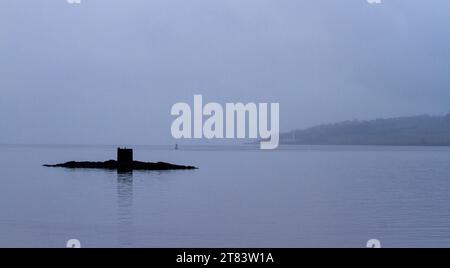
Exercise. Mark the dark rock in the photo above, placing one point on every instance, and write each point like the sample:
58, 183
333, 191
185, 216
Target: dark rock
124, 163
112, 164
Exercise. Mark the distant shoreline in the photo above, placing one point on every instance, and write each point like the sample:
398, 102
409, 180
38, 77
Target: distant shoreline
423, 130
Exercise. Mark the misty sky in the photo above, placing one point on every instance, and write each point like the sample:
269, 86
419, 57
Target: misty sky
108, 71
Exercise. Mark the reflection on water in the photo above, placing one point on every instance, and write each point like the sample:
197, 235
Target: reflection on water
125, 208
321, 196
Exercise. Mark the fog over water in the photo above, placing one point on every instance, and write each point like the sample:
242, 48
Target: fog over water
108, 71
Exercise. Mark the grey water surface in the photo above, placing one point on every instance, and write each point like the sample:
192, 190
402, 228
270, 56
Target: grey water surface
296, 196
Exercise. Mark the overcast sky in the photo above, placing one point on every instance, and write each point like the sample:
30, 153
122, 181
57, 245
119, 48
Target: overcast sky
108, 71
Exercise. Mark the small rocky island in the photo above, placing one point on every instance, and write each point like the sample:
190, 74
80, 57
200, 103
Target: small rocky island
124, 163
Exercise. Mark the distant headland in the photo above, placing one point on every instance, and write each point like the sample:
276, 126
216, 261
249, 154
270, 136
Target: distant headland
423, 130
124, 163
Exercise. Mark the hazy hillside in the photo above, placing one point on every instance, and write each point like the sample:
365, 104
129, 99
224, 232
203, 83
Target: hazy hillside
415, 130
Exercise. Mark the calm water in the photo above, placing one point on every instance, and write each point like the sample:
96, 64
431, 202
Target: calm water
301, 196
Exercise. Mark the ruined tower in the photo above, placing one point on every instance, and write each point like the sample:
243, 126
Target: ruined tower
124, 159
